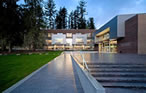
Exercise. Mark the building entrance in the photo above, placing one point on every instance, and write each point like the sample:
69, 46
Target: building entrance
109, 46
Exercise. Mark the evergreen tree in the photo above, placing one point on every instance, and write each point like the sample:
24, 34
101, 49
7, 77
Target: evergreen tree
50, 13
82, 11
10, 24
61, 19
71, 20
88, 25
91, 23
58, 21
76, 18
64, 17
34, 23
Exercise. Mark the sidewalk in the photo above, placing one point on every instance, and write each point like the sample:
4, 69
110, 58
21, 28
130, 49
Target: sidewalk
56, 77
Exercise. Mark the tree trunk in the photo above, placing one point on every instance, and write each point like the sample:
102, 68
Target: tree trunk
10, 48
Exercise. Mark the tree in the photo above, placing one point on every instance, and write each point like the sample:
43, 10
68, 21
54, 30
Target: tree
91, 23
50, 13
71, 18
34, 23
61, 19
82, 11
58, 21
64, 17
10, 24
76, 18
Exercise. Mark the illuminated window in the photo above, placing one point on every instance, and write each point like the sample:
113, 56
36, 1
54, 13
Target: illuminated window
79, 40
49, 34
68, 34
48, 41
69, 41
89, 41
58, 40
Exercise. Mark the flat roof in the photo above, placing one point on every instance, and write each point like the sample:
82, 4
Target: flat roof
83, 31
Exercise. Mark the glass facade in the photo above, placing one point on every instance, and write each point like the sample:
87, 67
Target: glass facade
69, 41
58, 40
105, 44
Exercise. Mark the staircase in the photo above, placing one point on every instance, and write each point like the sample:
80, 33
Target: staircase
117, 75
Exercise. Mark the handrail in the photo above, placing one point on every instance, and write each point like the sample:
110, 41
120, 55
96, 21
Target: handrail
84, 62
85, 66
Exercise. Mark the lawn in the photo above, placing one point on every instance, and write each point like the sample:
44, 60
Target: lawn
15, 67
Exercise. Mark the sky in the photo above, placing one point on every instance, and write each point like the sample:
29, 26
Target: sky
103, 10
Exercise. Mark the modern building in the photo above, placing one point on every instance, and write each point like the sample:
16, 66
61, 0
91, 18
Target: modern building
69, 39
122, 34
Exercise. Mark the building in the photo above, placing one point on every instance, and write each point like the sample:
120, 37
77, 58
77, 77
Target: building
122, 34
69, 39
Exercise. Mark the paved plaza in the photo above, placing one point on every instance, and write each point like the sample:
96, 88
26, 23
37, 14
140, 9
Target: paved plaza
59, 76
95, 57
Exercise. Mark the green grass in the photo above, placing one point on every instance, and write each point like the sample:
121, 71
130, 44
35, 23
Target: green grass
15, 67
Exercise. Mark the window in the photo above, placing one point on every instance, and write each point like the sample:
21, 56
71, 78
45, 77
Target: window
68, 34
79, 40
69, 41
48, 41
58, 40
49, 34
89, 41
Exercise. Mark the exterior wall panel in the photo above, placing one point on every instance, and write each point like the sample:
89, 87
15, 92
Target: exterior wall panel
142, 34
113, 28
121, 24
128, 44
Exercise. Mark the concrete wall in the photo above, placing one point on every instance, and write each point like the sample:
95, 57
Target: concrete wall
121, 24
142, 34
128, 44
88, 82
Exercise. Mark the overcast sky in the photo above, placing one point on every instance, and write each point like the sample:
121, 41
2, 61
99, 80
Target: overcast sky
103, 10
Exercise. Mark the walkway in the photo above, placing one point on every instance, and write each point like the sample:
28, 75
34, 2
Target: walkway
56, 77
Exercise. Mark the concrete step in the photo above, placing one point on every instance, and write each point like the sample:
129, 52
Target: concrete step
123, 85
107, 63
118, 74
121, 79
116, 70
117, 66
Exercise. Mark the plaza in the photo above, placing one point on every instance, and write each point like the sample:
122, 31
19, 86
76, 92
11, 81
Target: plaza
60, 75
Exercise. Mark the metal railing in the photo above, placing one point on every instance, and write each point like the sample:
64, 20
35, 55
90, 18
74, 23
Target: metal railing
85, 66
84, 62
